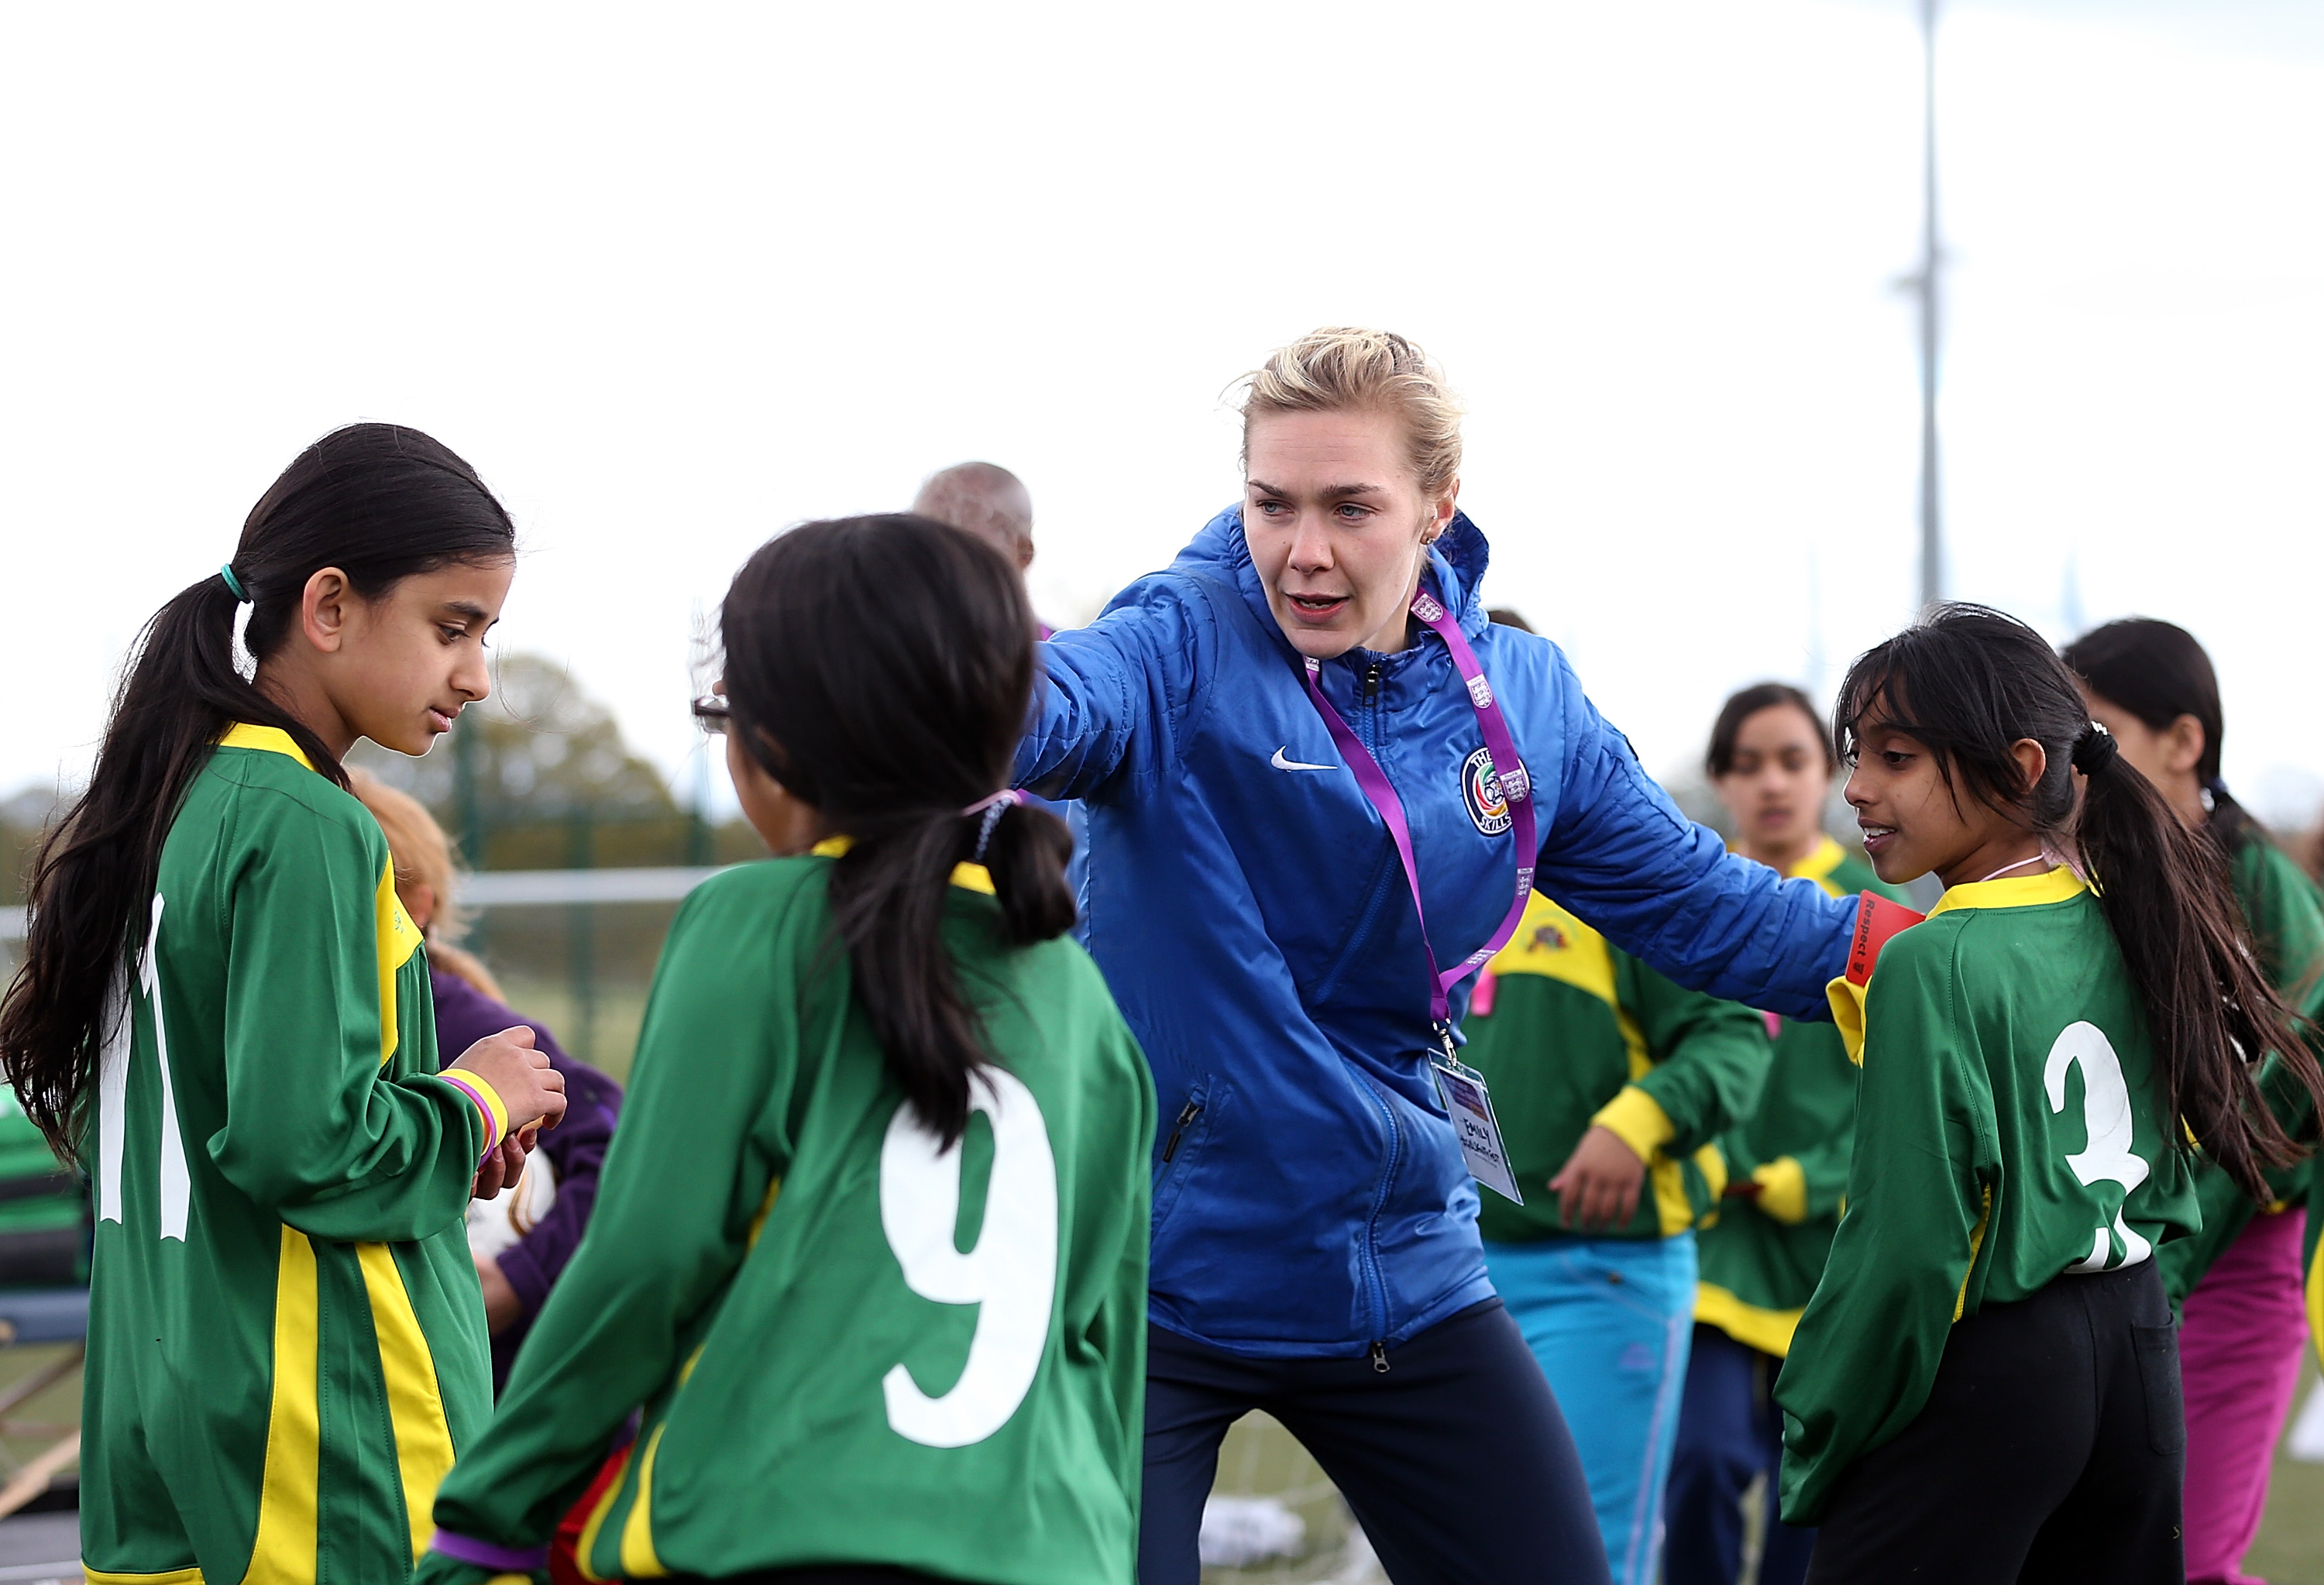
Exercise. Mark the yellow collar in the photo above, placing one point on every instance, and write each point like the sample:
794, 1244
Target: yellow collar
967, 877
273, 739
1821, 862
2022, 891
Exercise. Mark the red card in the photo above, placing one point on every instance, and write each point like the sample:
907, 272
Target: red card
1877, 921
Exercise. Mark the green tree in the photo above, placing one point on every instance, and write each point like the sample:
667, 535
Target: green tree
540, 749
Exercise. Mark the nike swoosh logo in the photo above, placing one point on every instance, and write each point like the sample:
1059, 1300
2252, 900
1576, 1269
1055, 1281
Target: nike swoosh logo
1280, 763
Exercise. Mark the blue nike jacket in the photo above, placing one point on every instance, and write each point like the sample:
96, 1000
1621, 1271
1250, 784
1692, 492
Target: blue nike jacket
1250, 915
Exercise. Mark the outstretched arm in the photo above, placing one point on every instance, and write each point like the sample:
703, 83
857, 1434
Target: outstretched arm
1117, 700
1620, 855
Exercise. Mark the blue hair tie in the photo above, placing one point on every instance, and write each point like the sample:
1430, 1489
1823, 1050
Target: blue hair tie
233, 584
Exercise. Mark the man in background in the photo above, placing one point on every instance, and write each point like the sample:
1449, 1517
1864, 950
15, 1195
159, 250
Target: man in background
988, 501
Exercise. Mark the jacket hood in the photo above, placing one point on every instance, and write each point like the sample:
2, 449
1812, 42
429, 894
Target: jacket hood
1456, 561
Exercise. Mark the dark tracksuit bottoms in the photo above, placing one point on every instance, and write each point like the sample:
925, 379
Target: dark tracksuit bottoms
2051, 1450
1729, 1433
1455, 1459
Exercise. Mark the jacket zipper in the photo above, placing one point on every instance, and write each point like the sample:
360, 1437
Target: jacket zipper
1193, 1109
1374, 1282
1380, 1356
1378, 1282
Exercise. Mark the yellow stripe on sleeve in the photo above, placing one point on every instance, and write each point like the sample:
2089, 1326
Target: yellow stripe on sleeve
1783, 1190
1638, 1120
398, 939
1768, 1330
1847, 1000
172, 1577
415, 1406
284, 1548
495, 1108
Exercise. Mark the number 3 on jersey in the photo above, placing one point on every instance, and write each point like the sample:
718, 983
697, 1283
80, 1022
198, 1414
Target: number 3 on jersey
2106, 1157
1010, 1275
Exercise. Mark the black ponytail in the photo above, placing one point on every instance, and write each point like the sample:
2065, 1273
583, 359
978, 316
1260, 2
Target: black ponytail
1971, 682
2159, 671
377, 501
880, 669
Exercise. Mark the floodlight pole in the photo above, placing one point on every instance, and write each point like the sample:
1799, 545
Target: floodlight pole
1932, 559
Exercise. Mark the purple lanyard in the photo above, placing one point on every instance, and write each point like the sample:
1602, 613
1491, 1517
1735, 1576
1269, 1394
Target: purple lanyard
1516, 787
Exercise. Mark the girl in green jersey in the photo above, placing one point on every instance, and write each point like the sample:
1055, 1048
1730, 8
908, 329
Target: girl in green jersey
1771, 762
2238, 1281
870, 1248
1986, 1385
223, 1020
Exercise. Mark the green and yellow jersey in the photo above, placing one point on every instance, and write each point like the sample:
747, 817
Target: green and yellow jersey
850, 1345
286, 1341
2008, 1132
2285, 915
1576, 1031
1761, 1255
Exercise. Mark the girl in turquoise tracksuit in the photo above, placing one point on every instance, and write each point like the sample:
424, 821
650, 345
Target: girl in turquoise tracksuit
1316, 1247
1612, 1085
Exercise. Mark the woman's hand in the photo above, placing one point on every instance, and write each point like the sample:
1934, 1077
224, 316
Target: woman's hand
532, 1091
1601, 1180
501, 1306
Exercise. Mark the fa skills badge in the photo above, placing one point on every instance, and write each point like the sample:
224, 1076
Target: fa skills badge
1482, 794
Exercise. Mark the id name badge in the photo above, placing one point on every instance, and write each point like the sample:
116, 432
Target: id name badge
1461, 1087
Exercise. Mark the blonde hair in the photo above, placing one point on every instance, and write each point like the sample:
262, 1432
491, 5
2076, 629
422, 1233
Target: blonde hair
1346, 369
422, 855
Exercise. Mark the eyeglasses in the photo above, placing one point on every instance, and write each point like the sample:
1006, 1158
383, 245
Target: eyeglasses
711, 713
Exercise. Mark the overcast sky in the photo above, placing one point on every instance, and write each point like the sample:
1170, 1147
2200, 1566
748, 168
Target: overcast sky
674, 277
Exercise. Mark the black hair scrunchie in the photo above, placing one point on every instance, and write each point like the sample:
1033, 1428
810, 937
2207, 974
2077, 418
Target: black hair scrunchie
2095, 750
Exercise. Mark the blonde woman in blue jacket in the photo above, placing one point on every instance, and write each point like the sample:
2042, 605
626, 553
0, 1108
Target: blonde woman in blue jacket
1285, 743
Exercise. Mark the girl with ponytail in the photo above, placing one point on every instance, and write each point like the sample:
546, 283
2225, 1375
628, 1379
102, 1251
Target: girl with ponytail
1986, 1385
223, 1020
2238, 1281
872, 1234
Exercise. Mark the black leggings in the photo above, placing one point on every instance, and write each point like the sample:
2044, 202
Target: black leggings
2051, 1450
1455, 1459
